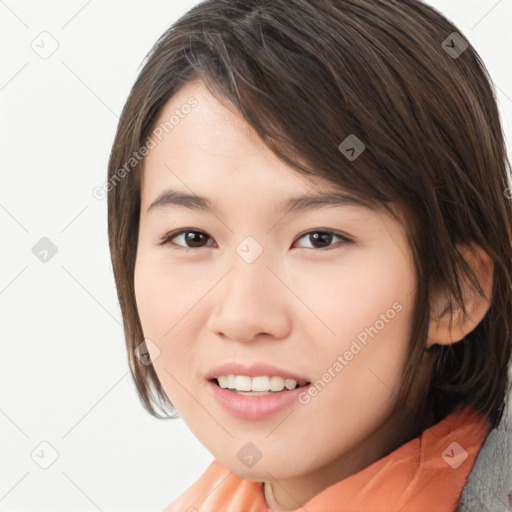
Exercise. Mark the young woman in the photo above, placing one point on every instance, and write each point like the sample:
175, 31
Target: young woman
310, 230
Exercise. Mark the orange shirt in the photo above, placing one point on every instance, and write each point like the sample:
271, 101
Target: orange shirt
426, 474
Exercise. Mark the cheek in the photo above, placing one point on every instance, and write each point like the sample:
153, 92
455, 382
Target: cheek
149, 296
155, 298
157, 309
167, 299
350, 297
161, 293
365, 310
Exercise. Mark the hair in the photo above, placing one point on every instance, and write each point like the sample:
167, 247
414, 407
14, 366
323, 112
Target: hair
305, 74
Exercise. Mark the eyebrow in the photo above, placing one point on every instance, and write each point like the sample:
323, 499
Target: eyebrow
300, 203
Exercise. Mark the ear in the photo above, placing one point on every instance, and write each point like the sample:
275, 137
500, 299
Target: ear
477, 306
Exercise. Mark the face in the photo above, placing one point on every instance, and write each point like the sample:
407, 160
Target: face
324, 293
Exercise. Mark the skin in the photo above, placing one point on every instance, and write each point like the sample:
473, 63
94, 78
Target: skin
297, 306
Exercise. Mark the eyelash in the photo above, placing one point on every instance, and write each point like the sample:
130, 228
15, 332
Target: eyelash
166, 240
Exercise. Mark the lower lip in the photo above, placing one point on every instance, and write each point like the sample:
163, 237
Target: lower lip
254, 407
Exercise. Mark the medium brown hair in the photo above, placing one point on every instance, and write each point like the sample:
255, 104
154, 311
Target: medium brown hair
305, 74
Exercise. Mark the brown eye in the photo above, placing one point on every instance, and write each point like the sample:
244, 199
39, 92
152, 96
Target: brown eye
192, 239
323, 239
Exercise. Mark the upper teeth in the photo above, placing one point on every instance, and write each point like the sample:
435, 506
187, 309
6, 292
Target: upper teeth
244, 383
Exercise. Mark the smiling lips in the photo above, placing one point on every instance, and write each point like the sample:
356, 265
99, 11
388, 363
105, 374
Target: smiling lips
247, 406
254, 392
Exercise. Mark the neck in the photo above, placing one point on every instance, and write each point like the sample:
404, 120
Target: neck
290, 494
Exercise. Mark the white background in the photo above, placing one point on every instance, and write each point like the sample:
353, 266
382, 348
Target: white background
64, 376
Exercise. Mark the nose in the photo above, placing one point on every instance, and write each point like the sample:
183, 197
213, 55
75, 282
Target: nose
250, 302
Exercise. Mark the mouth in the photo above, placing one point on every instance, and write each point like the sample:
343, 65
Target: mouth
229, 383
250, 398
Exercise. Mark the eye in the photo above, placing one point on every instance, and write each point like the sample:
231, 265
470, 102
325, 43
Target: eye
196, 238
192, 236
324, 238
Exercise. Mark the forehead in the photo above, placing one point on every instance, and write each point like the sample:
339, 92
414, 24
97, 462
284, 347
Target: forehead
194, 117
210, 143
208, 150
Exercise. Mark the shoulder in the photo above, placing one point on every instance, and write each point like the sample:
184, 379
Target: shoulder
490, 481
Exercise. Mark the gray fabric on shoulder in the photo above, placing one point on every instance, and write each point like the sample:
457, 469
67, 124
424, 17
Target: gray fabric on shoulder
489, 484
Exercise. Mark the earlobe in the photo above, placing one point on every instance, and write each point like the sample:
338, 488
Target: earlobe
444, 332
